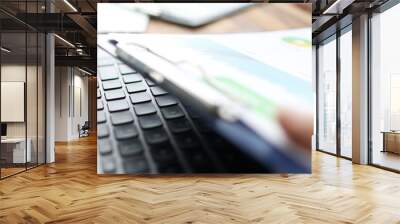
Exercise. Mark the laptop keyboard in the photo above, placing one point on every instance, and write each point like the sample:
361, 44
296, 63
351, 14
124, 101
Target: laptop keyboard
142, 129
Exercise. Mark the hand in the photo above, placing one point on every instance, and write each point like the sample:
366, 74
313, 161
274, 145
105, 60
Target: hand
298, 126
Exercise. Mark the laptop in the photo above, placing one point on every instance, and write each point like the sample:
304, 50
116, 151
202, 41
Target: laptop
143, 129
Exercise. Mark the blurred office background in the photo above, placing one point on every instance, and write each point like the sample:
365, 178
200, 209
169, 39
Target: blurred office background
48, 82
357, 80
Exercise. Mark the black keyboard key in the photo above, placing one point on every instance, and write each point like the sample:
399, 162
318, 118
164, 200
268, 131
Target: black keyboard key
112, 84
150, 83
123, 117
114, 94
130, 147
118, 105
98, 94
166, 159
135, 87
108, 163
132, 78
156, 136
187, 140
199, 161
140, 97
202, 126
105, 146
167, 100
125, 131
125, 69
150, 121
102, 131
191, 112
100, 105
163, 154
136, 165
179, 125
144, 108
101, 117
157, 91
107, 72
172, 112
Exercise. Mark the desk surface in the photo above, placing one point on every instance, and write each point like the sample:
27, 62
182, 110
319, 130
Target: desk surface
262, 17
13, 140
391, 132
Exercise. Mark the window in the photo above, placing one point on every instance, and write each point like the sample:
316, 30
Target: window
22, 88
327, 97
346, 93
385, 89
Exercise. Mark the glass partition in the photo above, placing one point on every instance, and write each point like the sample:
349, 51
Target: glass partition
327, 96
346, 93
31, 97
13, 114
22, 101
385, 89
41, 97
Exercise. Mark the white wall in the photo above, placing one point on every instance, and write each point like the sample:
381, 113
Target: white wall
70, 83
17, 73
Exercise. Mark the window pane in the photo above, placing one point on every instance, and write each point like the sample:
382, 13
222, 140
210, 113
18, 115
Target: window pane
345, 94
327, 97
386, 89
13, 86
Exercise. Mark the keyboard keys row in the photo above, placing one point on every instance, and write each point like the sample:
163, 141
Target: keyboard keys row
102, 131
156, 136
112, 84
101, 117
166, 100
140, 97
132, 78
100, 105
136, 165
109, 164
136, 87
130, 147
187, 140
114, 94
179, 125
118, 105
125, 131
172, 112
125, 69
157, 91
150, 121
105, 146
123, 117
107, 72
144, 108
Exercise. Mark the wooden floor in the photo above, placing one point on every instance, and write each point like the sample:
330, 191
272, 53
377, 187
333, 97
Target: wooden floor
70, 191
387, 159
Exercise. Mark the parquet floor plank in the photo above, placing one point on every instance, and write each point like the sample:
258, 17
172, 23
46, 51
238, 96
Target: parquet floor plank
70, 191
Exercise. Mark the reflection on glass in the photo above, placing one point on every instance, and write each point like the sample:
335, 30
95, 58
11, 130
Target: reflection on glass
41, 99
327, 97
385, 83
346, 94
13, 84
31, 97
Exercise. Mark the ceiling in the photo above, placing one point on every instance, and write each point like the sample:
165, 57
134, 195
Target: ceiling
332, 15
74, 21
